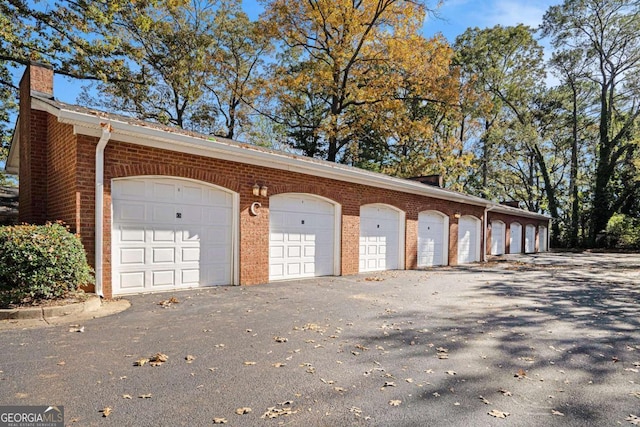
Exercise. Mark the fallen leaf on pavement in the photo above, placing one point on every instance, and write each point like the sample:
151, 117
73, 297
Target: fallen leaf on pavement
249, 363
633, 420
140, 362
106, 411
505, 392
280, 339
127, 396
145, 396
275, 412
167, 303
279, 365
521, 373
451, 372
189, 358
485, 401
554, 412
219, 420
243, 410
60, 363
389, 384
339, 389
76, 328
498, 414
395, 402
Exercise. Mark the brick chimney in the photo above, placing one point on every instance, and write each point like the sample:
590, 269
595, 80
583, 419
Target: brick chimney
36, 81
435, 180
511, 203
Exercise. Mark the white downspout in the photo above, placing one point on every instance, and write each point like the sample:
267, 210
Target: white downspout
485, 226
99, 211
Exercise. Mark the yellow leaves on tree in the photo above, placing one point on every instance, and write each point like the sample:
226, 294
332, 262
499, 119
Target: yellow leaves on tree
359, 73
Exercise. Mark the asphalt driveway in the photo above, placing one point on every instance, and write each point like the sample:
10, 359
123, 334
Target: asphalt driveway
550, 339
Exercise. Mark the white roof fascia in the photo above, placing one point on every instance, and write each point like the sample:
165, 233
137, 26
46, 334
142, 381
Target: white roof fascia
88, 124
12, 165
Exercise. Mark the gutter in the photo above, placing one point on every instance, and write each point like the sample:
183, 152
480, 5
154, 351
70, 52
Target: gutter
99, 209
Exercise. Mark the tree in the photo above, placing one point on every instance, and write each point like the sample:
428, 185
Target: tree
165, 49
343, 61
607, 36
507, 63
238, 52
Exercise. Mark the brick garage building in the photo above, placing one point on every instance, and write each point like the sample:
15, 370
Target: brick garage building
160, 208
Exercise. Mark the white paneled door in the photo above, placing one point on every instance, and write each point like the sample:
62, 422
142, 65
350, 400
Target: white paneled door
468, 239
170, 233
433, 239
530, 239
498, 235
542, 239
515, 238
380, 237
301, 236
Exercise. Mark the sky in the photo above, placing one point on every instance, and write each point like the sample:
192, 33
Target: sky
454, 17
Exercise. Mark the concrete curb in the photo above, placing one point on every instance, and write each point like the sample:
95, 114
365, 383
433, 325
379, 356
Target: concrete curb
92, 303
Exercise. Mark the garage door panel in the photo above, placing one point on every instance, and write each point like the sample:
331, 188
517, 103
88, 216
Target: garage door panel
132, 280
301, 237
159, 235
132, 256
379, 238
432, 238
468, 240
497, 237
190, 277
130, 235
147, 234
163, 278
163, 255
515, 238
163, 214
164, 191
128, 211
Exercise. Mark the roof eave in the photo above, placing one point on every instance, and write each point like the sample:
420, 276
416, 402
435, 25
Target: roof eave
151, 136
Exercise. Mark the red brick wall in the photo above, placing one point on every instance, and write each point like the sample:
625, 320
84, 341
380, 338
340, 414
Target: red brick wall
33, 146
72, 198
61, 174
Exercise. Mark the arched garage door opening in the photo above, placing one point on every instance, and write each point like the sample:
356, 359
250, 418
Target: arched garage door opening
515, 238
498, 236
381, 238
171, 233
304, 236
543, 239
468, 239
530, 239
433, 239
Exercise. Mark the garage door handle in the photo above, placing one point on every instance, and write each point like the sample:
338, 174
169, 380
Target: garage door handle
178, 215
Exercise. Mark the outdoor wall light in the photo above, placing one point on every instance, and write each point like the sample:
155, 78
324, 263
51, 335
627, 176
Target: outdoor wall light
263, 191
457, 215
256, 190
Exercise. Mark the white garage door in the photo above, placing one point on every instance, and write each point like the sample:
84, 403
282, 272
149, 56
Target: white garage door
380, 238
468, 239
498, 235
530, 239
542, 236
433, 239
170, 233
301, 236
515, 238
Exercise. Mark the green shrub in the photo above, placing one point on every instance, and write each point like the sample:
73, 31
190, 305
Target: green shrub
40, 262
623, 232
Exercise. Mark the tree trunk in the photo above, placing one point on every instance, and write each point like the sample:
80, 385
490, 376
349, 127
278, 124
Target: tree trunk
573, 174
